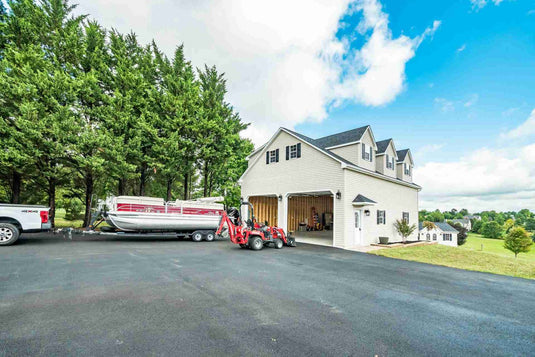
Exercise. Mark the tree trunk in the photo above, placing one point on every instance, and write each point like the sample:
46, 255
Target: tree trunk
52, 201
122, 186
169, 189
205, 188
143, 179
15, 187
88, 194
186, 186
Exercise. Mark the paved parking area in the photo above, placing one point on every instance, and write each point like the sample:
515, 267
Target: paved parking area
158, 297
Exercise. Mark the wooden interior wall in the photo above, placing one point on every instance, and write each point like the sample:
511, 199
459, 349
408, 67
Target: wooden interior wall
300, 207
265, 209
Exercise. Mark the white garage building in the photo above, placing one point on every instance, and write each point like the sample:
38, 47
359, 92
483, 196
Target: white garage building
342, 190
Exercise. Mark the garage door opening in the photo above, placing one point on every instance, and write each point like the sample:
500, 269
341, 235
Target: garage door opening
265, 209
311, 217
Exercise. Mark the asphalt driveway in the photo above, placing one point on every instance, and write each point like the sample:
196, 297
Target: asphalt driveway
159, 297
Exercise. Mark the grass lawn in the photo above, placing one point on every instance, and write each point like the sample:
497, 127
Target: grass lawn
61, 222
494, 246
493, 259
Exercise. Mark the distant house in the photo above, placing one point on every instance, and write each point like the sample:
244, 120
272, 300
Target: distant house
466, 223
474, 216
443, 233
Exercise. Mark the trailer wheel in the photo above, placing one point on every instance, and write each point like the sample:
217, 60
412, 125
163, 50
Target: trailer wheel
8, 234
196, 236
255, 243
278, 243
210, 236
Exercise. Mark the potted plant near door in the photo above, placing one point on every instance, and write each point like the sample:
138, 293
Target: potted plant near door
383, 240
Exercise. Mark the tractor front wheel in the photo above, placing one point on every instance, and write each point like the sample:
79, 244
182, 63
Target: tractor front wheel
255, 243
278, 243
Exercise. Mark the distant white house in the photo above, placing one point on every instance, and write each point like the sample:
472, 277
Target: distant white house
443, 233
466, 223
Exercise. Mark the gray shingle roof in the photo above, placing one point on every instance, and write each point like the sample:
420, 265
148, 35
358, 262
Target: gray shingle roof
314, 142
362, 199
402, 154
341, 138
382, 145
443, 226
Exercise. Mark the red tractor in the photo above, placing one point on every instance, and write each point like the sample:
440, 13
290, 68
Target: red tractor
250, 234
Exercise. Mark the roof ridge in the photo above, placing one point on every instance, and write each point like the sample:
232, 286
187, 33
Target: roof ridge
344, 132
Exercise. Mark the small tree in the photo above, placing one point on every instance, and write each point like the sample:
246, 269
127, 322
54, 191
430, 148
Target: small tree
404, 229
462, 235
476, 226
491, 229
518, 241
429, 225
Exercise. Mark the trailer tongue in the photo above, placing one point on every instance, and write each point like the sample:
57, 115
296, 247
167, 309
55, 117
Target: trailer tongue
250, 234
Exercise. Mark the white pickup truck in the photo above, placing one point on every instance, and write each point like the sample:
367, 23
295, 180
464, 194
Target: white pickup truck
15, 219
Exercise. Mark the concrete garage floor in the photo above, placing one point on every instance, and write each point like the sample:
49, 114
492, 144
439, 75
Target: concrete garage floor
324, 238
179, 298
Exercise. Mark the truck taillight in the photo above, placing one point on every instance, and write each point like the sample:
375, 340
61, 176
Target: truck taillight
44, 216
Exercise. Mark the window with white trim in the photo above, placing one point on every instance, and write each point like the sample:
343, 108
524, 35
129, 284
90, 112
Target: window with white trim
293, 151
272, 156
381, 217
428, 236
405, 216
434, 236
389, 164
407, 169
367, 155
447, 237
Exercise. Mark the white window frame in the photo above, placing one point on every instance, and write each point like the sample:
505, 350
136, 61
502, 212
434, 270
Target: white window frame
447, 237
381, 219
403, 216
293, 151
272, 156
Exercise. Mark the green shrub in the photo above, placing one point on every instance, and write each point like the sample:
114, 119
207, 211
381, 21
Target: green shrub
74, 209
491, 229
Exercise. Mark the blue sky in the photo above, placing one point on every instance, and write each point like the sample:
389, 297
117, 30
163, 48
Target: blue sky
451, 80
487, 55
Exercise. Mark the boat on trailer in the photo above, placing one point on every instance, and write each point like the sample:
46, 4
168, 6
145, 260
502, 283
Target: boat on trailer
152, 214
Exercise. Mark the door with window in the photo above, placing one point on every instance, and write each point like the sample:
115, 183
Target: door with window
358, 228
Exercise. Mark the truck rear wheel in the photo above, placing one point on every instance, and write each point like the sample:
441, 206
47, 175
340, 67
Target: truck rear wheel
8, 234
196, 236
255, 243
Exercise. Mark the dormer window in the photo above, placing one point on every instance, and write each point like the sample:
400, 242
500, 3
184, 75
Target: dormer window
389, 162
407, 169
367, 155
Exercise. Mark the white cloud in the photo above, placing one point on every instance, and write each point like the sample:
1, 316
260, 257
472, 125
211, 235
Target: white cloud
445, 105
473, 100
479, 4
525, 129
283, 62
499, 179
461, 49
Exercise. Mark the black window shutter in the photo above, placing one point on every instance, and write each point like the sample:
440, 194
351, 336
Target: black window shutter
387, 159
384, 217
267, 157
277, 155
298, 149
287, 153
371, 153
378, 215
363, 151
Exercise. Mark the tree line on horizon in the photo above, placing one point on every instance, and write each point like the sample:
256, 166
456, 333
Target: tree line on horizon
490, 224
86, 112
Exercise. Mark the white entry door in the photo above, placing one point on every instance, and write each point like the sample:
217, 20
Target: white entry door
358, 228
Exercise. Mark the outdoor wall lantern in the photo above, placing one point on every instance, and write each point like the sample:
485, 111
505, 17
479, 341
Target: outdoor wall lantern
367, 212
338, 195
280, 197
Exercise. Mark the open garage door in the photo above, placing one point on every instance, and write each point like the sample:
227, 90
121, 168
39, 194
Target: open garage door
310, 217
265, 209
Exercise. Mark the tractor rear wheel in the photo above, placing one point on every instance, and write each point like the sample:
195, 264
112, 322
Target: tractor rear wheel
278, 243
255, 243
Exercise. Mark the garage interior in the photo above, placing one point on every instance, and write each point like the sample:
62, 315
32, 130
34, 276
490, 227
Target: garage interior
310, 217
